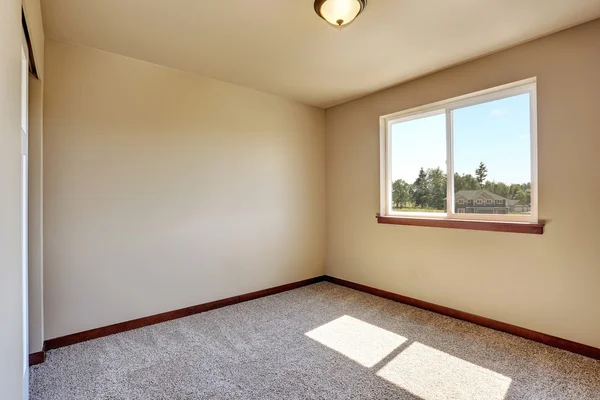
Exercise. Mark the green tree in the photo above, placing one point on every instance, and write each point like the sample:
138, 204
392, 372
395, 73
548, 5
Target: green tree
436, 189
465, 182
499, 188
481, 173
524, 195
419, 189
429, 189
400, 193
513, 190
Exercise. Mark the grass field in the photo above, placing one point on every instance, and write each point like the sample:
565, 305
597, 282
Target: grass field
408, 209
424, 210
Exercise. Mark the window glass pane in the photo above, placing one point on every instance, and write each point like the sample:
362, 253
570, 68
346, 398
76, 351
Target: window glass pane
418, 162
492, 157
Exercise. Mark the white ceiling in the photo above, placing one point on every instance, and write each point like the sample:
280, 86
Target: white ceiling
283, 47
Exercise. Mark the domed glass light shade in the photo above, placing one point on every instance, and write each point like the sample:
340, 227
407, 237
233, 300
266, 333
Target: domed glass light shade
339, 12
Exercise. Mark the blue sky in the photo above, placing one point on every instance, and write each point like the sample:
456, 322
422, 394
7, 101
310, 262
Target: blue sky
496, 133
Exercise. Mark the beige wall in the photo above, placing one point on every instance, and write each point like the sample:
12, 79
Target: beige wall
11, 293
548, 283
164, 190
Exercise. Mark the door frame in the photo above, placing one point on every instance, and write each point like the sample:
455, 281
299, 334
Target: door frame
25, 207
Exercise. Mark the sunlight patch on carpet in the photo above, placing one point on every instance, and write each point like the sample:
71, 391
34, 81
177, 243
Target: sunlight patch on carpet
358, 340
434, 375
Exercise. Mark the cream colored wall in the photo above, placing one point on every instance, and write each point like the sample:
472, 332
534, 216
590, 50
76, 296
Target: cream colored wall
11, 293
164, 190
548, 283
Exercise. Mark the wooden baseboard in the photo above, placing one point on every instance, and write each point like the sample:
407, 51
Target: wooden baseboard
170, 315
549, 340
592, 352
37, 358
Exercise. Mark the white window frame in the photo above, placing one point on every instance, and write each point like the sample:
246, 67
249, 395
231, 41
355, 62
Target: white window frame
499, 201
489, 201
447, 107
461, 201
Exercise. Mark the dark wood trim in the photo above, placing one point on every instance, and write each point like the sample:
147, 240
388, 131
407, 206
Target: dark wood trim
549, 340
37, 358
515, 227
167, 316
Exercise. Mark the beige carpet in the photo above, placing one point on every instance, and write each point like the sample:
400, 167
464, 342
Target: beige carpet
320, 342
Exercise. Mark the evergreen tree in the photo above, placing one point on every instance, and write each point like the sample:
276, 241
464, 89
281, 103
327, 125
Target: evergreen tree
481, 173
420, 190
436, 189
429, 189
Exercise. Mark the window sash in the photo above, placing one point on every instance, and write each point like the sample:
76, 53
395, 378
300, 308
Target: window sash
447, 107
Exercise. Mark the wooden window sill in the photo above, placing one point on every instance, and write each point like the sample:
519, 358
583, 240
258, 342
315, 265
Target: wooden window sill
515, 227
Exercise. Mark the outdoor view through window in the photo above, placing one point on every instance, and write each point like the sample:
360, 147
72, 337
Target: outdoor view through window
491, 159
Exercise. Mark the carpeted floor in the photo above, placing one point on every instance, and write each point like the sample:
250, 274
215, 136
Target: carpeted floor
319, 342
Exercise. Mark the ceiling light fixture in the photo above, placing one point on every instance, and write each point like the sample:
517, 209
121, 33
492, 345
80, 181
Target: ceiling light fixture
339, 12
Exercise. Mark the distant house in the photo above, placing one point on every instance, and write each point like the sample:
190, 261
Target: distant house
517, 206
485, 202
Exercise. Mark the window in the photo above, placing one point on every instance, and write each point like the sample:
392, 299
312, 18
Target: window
478, 146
